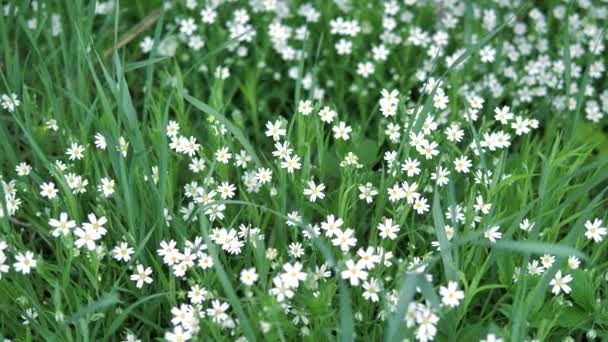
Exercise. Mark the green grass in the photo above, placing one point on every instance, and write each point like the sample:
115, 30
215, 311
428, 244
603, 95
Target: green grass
92, 77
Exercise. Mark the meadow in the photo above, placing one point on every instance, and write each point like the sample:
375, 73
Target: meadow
315, 170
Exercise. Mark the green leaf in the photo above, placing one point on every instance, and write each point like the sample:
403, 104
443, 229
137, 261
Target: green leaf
346, 314
472, 332
444, 244
572, 317
535, 247
102, 303
394, 328
583, 291
366, 150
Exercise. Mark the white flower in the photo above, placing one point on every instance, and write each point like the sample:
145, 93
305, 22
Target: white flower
410, 166
481, 206
314, 191
441, 176
123, 146
4, 268
410, 192
10, 102
341, 131
182, 314
454, 133
263, 175
388, 229
142, 276
86, 237
97, 224
389, 101
428, 149
223, 155
249, 276
595, 231
368, 258
75, 152
197, 294
226, 190
292, 275
547, 260
560, 283
100, 141
178, 335
23, 169
462, 164
122, 252
205, 261
487, 54
420, 205
450, 295
187, 26
25, 262
62, 226
281, 290
217, 311
503, 114
327, 114
106, 187
493, 234
367, 192
291, 163
48, 190
534, 268
395, 193
526, 225
274, 130
365, 69
305, 107
344, 239
372, 288
146, 44
492, 338
427, 322
440, 99
331, 225
354, 272
573, 262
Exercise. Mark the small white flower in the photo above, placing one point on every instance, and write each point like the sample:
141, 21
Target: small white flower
106, 187
48, 190
249, 276
75, 152
387, 229
574, 262
450, 295
292, 275
122, 252
25, 262
314, 191
10, 102
595, 231
560, 283
142, 275
305, 107
274, 130
62, 226
354, 272
342, 131
493, 234
462, 164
